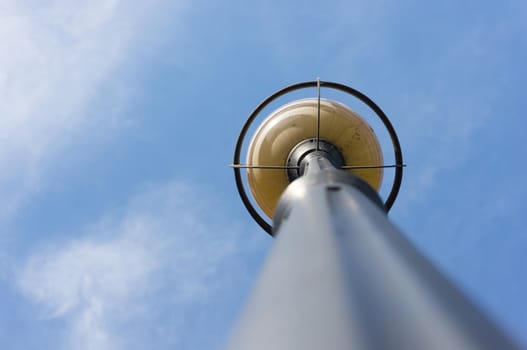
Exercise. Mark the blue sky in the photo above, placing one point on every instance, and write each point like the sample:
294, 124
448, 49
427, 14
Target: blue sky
120, 225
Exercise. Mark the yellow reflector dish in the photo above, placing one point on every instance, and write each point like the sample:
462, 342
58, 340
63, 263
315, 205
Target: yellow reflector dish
292, 123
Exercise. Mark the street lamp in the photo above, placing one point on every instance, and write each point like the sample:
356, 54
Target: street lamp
340, 275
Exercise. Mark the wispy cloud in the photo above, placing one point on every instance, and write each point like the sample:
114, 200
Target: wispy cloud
342, 33
56, 57
450, 112
166, 252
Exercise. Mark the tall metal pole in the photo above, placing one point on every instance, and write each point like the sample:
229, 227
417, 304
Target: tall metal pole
341, 276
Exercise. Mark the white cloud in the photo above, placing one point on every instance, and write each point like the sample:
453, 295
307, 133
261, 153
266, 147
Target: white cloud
159, 255
56, 56
460, 102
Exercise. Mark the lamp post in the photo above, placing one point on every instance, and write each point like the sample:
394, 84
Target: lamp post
340, 275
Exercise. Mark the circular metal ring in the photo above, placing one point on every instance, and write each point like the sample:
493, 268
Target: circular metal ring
397, 179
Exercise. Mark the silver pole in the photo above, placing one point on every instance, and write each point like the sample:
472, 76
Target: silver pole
341, 276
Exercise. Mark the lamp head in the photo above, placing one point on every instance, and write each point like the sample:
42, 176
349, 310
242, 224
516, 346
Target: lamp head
293, 124
287, 135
